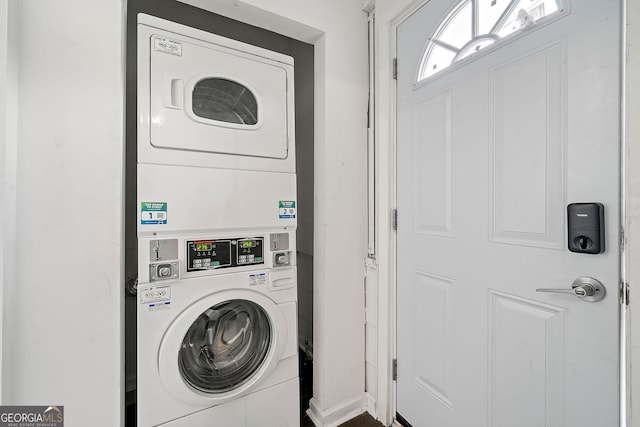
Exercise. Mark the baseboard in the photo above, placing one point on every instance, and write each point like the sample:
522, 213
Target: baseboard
336, 415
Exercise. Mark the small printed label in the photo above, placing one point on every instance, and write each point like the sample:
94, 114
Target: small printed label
155, 294
257, 279
153, 213
287, 209
160, 306
165, 45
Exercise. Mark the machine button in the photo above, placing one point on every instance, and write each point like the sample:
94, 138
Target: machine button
164, 271
281, 258
250, 258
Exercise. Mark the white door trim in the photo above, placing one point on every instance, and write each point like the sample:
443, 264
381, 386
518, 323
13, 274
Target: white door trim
631, 181
385, 130
8, 170
387, 22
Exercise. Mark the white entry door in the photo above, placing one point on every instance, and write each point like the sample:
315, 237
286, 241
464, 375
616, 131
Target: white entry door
508, 111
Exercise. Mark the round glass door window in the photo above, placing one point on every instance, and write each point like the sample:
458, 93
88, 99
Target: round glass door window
225, 346
224, 101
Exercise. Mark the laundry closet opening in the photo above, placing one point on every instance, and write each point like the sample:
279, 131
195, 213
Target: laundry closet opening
303, 56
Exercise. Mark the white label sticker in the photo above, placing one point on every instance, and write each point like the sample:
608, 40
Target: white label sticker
160, 306
257, 279
162, 44
154, 294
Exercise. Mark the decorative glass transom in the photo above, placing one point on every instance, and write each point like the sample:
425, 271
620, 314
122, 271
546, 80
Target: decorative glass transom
475, 24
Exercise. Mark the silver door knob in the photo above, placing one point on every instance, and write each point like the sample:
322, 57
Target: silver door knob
586, 288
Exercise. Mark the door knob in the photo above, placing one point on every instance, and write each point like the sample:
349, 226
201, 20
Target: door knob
586, 288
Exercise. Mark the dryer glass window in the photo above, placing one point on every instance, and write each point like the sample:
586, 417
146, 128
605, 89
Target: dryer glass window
224, 101
225, 346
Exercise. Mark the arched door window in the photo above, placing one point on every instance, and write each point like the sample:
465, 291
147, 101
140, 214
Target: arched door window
225, 346
475, 24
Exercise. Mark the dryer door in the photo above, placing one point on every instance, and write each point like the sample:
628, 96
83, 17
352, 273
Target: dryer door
209, 98
225, 345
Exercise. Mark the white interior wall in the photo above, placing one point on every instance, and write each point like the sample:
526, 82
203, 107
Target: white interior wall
338, 29
4, 52
8, 154
64, 319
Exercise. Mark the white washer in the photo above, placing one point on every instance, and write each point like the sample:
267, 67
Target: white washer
209, 101
217, 322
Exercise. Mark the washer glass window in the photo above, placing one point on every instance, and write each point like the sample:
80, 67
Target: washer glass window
224, 101
225, 346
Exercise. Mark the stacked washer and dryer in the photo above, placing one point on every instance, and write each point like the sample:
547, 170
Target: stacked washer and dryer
216, 185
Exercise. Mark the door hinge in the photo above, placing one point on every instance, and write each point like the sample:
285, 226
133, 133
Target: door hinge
394, 219
394, 370
624, 293
395, 69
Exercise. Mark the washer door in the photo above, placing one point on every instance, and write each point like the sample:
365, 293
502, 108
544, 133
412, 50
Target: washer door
221, 347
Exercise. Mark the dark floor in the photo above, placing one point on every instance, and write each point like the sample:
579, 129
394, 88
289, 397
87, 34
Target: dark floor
363, 420
305, 369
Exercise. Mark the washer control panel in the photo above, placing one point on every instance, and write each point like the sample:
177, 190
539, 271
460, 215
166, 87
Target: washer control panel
210, 254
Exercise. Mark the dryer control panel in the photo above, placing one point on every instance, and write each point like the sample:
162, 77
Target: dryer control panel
210, 254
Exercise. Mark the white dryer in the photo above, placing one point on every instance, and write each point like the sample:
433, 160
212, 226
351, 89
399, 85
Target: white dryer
209, 101
216, 146
217, 341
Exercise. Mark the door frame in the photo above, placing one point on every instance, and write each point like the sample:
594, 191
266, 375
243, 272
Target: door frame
388, 17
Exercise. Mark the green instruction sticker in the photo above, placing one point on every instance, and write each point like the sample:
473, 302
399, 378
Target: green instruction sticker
287, 209
153, 213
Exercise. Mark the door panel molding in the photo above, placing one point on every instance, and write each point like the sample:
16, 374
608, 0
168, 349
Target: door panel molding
528, 208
